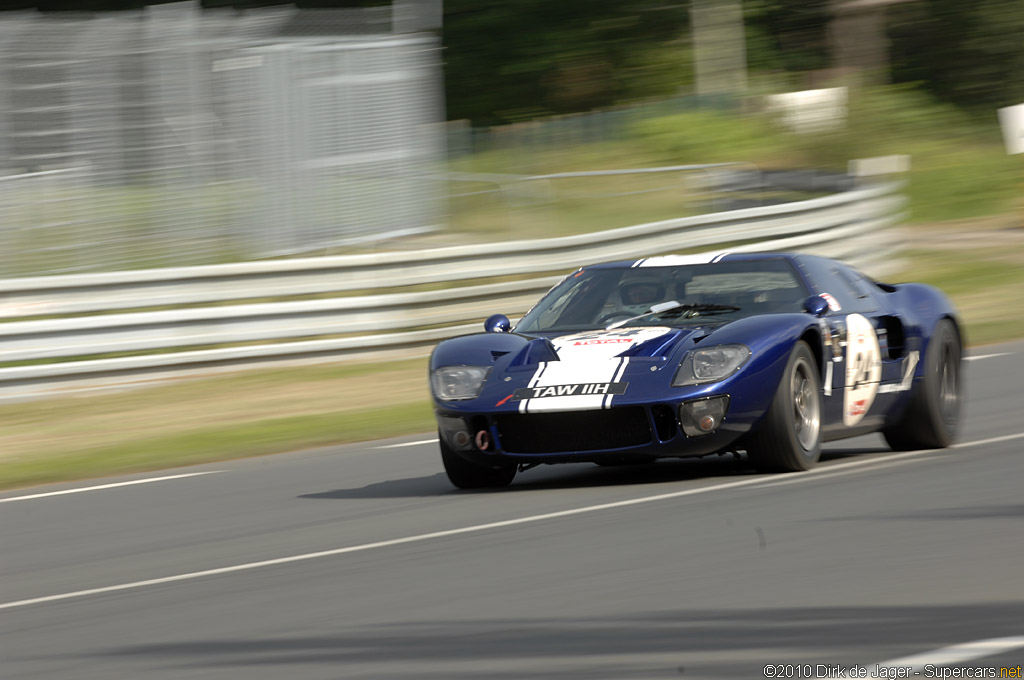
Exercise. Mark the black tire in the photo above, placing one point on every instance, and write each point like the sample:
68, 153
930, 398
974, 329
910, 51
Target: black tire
466, 474
933, 416
789, 437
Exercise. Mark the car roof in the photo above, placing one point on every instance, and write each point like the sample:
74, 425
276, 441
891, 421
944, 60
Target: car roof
699, 258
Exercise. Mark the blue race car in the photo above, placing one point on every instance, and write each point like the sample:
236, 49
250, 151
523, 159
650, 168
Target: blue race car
677, 356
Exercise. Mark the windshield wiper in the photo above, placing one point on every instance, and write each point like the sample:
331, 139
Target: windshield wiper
692, 308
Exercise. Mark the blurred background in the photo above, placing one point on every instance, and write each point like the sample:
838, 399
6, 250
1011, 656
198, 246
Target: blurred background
137, 135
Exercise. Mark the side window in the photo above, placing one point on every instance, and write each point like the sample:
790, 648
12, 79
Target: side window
842, 283
561, 303
859, 289
576, 301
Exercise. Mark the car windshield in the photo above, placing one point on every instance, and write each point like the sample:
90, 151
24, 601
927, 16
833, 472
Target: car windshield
592, 299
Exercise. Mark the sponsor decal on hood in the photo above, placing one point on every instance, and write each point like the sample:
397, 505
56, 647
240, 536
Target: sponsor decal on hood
588, 374
596, 345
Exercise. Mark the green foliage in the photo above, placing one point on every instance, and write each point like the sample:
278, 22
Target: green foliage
515, 61
506, 62
972, 181
968, 53
788, 35
900, 112
707, 137
896, 119
959, 168
518, 61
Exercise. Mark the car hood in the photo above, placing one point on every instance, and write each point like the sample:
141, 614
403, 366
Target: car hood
590, 370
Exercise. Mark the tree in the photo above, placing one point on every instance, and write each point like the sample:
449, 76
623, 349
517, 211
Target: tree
787, 35
514, 61
967, 53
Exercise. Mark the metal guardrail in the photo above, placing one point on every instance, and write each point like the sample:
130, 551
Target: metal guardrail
214, 309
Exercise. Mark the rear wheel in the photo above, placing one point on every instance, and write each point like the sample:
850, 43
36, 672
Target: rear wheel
789, 437
933, 415
466, 474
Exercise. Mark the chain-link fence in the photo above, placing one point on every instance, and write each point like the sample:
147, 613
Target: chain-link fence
566, 131
177, 136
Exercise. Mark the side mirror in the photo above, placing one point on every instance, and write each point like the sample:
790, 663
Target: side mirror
497, 323
816, 305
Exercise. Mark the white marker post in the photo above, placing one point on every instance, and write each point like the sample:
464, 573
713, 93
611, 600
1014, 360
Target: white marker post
1012, 120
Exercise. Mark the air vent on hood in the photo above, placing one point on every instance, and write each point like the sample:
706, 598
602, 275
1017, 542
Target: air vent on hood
536, 351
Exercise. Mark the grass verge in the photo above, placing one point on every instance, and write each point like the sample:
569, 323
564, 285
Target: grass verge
239, 439
980, 265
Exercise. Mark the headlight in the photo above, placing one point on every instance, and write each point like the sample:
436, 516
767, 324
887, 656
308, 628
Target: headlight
710, 365
451, 383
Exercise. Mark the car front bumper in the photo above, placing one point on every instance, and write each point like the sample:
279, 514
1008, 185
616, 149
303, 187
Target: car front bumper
620, 433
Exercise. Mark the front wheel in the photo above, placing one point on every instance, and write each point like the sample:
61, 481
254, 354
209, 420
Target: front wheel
466, 474
933, 415
789, 437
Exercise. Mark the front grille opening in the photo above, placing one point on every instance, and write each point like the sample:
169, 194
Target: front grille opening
571, 431
664, 422
477, 423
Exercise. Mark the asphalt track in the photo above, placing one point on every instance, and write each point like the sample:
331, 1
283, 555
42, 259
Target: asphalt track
362, 562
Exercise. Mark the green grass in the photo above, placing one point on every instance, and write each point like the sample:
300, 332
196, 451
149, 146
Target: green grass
960, 278
959, 167
209, 444
213, 418
980, 280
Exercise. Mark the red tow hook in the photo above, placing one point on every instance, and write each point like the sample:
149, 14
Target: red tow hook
483, 440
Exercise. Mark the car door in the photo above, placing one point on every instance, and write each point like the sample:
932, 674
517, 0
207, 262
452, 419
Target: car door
866, 347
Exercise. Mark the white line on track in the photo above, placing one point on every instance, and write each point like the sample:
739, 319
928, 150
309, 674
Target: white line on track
947, 656
988, 356
891, 460
476, 528
827, 472
404, 444
108, 486
982, 442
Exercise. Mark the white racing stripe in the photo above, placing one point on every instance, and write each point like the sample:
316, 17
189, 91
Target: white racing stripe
108, 486
529, 519
946, 656
541, 368
569, 374
588, 363
680, 260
